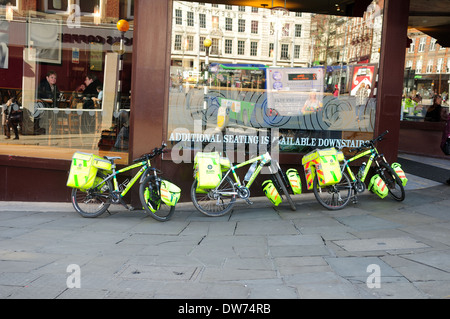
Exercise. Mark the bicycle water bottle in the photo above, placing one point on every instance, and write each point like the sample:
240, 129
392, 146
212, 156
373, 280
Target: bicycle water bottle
361, 170
250, 172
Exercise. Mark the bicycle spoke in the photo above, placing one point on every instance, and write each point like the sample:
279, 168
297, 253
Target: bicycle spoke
215, 202
335, 196
92, 203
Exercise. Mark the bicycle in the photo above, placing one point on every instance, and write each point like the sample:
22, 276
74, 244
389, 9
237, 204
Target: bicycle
220, 200
158, 196
337, 196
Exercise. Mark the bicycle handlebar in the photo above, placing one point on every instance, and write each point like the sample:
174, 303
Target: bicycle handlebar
370, 143
156, 151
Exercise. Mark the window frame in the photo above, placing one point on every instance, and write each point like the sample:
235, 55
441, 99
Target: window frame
254, 50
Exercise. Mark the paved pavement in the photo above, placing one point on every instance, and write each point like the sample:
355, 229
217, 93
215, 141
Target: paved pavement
375, 249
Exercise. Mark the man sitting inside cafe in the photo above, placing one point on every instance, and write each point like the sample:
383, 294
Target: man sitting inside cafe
48, 90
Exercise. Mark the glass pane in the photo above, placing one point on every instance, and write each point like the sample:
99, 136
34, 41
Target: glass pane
307, 78
5, 2
60, 5
61, 72
426, 80
88, 6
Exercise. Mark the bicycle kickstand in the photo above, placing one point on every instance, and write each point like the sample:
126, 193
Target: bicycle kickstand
119, 200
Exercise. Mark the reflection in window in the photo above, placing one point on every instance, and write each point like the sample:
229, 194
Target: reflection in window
229, 24
57, 5
3, 3
298, 30
88, 6
178, 17
254, 27
190, 19
241, 47
424, 77
284, 51
241, 25
253, 48
177, 42
56, 74
228, 46
309, 77
202, 19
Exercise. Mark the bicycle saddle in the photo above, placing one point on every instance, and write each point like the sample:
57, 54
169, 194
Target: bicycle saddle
112, 158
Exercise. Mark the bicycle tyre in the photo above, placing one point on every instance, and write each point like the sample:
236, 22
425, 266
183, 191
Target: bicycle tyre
284, 190
336, 201
164, 213
93, 202
206, 204
392, 180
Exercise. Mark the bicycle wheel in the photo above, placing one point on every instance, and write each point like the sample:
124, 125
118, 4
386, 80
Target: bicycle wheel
335, 196
284, 189
95, 201
214, 202
149, 196
393, 182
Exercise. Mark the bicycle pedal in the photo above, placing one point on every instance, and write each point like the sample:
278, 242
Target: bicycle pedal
249, 202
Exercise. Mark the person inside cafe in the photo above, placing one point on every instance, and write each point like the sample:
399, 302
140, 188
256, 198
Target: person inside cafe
13, 116
48, 94
98, 100
91, 83
48, 90
436, 113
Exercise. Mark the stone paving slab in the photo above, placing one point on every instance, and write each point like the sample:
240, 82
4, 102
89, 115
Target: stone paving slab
367, 222
384, 244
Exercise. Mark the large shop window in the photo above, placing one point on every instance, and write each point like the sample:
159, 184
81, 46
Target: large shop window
63, 69
427, 80
306, 80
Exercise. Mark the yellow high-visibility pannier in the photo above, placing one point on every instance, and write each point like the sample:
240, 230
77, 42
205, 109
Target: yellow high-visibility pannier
294, 180
84, 168
170, 193
225, 164
378, 186
400, 173
207, 170
82, 171
102, 163
324, 163
271, 192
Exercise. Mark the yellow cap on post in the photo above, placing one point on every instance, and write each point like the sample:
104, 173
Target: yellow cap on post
207, 42
123, 25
